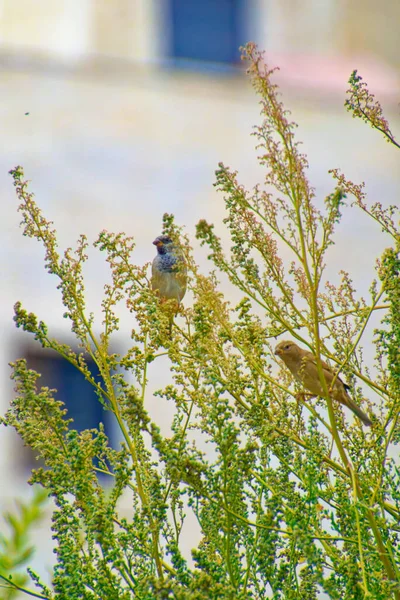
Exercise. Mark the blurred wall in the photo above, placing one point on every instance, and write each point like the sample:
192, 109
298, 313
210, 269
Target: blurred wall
136, 29
114, 126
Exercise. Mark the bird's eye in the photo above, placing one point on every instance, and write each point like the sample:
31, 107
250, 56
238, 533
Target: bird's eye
287, 347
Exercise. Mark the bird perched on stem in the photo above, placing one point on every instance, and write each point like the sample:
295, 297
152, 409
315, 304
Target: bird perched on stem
303, 366
169, 271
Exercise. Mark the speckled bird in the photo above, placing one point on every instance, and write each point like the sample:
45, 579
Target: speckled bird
303, 366
169, 271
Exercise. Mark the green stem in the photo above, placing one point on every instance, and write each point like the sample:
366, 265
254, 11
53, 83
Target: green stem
101, 362
15, 586
360, 548
391, 572
227, 536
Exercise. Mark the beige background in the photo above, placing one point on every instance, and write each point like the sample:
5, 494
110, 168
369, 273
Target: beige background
114, 138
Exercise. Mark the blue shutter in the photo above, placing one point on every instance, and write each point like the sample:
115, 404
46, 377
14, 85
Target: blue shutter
206, 30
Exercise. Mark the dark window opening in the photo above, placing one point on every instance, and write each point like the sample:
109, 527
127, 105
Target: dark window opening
206, 30
74, 391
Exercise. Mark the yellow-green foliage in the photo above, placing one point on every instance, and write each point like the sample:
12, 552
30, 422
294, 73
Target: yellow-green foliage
291, 500
16, 547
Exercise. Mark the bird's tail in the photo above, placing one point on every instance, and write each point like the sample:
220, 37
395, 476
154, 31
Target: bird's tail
357, 411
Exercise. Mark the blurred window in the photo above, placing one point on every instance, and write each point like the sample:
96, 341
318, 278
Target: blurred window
73, 390
207, 30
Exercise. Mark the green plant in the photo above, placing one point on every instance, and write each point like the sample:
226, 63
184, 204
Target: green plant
289, 501
15, 547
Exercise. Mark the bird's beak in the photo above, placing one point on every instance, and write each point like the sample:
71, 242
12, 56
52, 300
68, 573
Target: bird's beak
158, 243
277, 352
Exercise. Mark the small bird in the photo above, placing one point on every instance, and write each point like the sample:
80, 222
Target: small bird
169, 271
303, 366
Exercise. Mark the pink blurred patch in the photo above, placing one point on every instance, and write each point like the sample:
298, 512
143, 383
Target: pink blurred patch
329, 75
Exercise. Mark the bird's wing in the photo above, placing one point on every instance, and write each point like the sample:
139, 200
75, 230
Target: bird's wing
181, 273
157, 279
181, 276
340, 388
309, 356
328, 372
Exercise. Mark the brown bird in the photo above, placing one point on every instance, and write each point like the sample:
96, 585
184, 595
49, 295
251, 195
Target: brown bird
303, 366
